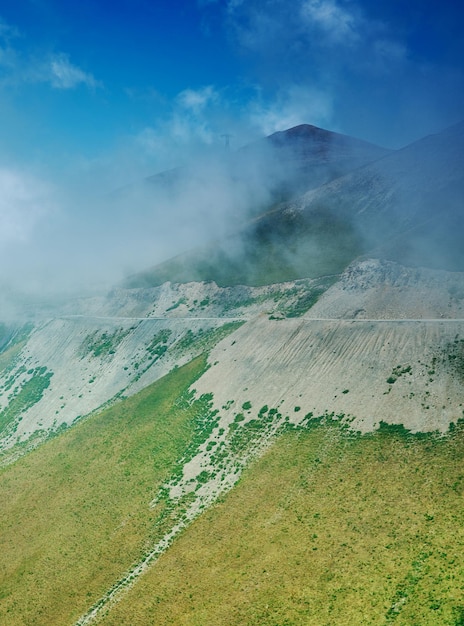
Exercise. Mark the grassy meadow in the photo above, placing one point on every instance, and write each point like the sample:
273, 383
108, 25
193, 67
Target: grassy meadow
74, 514
324, 529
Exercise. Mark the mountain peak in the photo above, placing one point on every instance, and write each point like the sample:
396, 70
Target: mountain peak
308, 134
302, 131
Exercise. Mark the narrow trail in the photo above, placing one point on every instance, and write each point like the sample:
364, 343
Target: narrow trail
148, 319
243, 318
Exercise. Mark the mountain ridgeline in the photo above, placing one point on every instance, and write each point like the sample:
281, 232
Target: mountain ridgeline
337, 199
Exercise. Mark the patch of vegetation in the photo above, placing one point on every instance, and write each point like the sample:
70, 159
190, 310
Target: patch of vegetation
103, 343
13, 341
204, 340
204, 421
186, 341
177, 304
352, 530
158, 345
398, 371
242, 436
30, 392
454, 356
309, 298
247, 301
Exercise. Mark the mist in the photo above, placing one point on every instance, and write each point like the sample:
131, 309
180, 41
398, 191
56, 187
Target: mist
105, 172
59, 240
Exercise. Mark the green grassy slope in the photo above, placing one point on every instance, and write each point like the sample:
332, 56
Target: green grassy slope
74, 514
324, 529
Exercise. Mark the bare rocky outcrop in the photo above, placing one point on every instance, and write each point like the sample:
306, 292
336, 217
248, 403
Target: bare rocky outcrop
375, 347
379, 289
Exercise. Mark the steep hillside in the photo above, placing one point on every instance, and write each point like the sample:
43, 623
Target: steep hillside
70, 367
274, 375
58, 370
384, 343
363, 371
408, 206
74, 514
96, 350
99, 503
323, 529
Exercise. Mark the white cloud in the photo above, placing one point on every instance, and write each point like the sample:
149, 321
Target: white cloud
64, 75
338, 24
24, 201
197, 100
192, 126
174, 140
315, 33
20, 67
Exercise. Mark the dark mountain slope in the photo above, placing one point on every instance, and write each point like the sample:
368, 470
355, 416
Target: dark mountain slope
293, 161
306, 156
407, 206
273, 247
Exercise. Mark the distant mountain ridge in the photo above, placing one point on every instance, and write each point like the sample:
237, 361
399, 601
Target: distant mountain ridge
358, 200
307, 154
315, 156
408, 206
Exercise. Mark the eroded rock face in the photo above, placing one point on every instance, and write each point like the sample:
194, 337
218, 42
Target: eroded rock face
381, 289
93, 350
365, 371
379, 345
64, 368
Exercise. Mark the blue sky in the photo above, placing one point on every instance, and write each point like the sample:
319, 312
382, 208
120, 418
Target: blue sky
96, 94
89, 79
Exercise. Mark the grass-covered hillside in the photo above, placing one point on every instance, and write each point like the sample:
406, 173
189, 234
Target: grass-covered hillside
75, 515
325, 529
